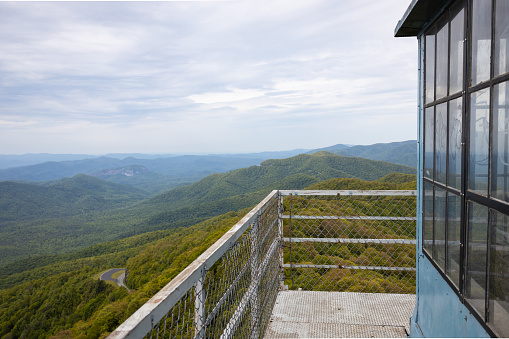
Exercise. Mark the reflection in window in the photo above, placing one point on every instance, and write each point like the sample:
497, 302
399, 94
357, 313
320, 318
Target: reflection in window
441, 143
428, 142
442, 54
499, 274
453, 237
430, 68
455, 123
464, 231
456, 46
481, 40
501, 63
479, 140
500, 175
439, 249
427, 227
476, 256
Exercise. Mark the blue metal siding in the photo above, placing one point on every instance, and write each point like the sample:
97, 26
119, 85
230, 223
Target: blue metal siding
439, 311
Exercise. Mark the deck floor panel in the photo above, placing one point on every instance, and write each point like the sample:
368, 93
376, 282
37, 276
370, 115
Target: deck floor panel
311, 314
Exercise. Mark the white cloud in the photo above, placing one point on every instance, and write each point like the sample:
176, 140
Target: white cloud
195, 75
232, 95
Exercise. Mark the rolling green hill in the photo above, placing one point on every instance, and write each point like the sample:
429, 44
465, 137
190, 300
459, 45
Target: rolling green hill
403, 153
184, 167
142, 178
57, 295
392, 181
320, 166
67, 197
75, 218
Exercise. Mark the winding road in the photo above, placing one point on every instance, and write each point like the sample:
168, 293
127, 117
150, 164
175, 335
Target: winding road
107, 276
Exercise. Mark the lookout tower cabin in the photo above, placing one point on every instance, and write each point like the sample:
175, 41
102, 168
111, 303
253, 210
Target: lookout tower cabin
463, 167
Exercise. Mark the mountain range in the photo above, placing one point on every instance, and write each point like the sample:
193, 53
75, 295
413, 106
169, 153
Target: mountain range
72, 213
58, 234
403, 153
158, 173
60, 295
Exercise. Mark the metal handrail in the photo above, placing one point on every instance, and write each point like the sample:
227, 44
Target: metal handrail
143, 320
192, 280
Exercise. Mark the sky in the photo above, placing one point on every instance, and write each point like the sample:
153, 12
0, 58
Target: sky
204, 76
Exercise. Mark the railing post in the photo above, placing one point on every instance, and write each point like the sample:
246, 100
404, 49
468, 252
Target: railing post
199, 305
290, 241
255, 278
280, 211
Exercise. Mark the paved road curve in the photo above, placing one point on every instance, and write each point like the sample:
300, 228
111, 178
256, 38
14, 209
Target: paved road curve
107, 275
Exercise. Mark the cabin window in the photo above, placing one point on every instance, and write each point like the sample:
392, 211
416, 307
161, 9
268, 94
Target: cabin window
456, 46
453, 237
465, 221
501, 58
454, 143
479, 141
501, 141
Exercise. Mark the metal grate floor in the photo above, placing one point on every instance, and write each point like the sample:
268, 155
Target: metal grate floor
309, 314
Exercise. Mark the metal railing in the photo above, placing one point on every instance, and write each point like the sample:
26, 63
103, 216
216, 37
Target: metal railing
349, 241
315, 240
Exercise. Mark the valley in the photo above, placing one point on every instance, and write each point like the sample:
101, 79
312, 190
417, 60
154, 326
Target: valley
56, 235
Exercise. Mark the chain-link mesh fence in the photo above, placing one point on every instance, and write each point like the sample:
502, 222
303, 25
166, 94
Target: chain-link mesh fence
363, 241
357, 241
235, 296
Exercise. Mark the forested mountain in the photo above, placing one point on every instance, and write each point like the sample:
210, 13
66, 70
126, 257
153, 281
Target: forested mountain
17, 160
60, 294
320, 166
188, 167
403, 153
142, 178
331, 149
67, 222
66, 197
170, 171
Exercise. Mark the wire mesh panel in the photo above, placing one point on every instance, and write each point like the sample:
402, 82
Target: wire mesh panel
362, 241
234, 297
357, 241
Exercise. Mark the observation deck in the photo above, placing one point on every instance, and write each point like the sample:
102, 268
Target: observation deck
301, 264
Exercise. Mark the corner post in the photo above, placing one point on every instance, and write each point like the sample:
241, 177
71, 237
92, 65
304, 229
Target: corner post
255, 278
199, 305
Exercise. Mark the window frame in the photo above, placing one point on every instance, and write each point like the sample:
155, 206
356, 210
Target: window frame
467, 195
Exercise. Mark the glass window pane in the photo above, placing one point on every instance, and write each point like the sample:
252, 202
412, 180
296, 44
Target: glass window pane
439, 234
453, 237
481, 40
476, 256
430, 68
501, 62
500, 175
455, 136
499, 274
441, 143
479, 141
427, 225
429, 135
457, 48
442, 60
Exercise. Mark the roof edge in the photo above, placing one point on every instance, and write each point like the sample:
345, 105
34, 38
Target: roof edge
418, 14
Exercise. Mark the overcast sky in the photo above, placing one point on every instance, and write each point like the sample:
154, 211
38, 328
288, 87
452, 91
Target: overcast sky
203, 77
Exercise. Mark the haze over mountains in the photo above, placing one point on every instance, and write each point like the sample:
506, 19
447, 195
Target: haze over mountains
72, 213
156, 174
59, 207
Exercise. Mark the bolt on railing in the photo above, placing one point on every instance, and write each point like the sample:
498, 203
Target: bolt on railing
291, 236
